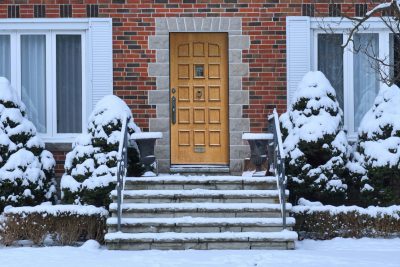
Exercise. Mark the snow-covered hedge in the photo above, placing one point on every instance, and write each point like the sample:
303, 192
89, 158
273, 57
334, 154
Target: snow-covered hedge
64, 224
26, 168
317, 221
375, 167
90, 168
315, 144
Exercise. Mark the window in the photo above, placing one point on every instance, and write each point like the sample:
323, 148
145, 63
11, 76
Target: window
60, 68
350, 71
47, 69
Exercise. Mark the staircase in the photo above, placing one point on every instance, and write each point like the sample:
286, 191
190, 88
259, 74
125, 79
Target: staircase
200, 212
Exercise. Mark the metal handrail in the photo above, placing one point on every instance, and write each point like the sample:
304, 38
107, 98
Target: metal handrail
275, 152
122, 160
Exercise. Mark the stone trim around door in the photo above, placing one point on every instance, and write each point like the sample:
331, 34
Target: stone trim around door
237, 69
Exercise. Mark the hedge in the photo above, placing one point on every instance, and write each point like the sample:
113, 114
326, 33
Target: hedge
64, 224
327, 222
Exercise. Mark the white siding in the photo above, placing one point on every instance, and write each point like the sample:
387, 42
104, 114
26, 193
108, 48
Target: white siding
298, 54
101, 68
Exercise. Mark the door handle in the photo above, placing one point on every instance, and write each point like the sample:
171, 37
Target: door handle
173, 110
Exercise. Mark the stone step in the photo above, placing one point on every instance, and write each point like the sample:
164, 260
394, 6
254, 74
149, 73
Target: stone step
178, 241
178, 182
212, 210
199, 195
198, 225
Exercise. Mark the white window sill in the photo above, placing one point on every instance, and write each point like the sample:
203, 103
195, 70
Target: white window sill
62, 139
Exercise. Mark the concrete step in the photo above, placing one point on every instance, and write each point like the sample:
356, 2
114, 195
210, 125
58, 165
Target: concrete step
198, 225
178, 241
199, 195
212, 210
178, 182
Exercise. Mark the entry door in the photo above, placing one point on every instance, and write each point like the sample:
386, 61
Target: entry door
199, 98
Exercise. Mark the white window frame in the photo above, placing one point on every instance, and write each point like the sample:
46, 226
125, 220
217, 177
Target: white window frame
340, 26
86, 27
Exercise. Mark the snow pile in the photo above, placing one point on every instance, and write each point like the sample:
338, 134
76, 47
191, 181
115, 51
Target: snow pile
315, 143
26, 168
376, 162
91, 167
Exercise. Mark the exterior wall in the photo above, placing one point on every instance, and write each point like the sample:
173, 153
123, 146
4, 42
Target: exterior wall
134, 23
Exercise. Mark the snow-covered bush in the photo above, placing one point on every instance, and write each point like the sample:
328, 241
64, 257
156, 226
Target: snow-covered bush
315, 144
26, 168
376, 164
91, 166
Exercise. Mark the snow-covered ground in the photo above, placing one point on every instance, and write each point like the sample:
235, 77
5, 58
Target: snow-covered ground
336, 252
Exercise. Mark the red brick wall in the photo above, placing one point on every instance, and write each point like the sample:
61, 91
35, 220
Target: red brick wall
133, 22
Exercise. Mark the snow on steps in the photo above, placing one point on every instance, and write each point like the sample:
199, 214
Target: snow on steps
200, 195
178, 182
204, 209
200, 212
226, 240
198, 225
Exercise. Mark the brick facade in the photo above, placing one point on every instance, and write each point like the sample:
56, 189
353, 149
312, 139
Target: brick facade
134, 21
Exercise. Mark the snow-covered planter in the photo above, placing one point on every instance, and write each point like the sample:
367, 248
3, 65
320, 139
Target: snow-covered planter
26, 168
315, 144
375, 167
91, 166
62, 224
316, 221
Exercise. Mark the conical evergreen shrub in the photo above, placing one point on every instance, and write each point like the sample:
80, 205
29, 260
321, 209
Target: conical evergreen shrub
377, 156
26, 168
91, 166
315, 144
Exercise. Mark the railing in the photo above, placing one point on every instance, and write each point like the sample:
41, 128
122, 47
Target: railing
277, 166
121, 169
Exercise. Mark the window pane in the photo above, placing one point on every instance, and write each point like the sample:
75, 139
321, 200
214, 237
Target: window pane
366, 78
33, 78
5, 56
330, 61
69, 83
394, 54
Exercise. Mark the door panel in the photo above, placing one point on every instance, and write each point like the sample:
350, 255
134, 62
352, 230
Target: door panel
199, 91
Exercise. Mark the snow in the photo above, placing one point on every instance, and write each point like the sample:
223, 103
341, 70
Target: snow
201, 206
364, 252
203, 221
309, 207
257, 136
199, 193
177, 178
146, 135
56, 210
281, 235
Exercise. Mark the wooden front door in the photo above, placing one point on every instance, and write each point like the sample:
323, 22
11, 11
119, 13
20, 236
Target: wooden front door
199, 98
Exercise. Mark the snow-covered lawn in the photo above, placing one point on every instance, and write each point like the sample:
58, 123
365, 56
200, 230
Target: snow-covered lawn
337, 252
